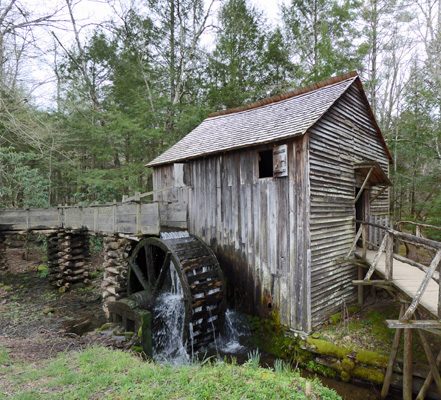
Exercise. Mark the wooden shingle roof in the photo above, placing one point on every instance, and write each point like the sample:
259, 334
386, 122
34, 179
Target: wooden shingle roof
269, 120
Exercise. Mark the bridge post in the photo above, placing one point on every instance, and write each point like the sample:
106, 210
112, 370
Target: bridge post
116, 251
68, 253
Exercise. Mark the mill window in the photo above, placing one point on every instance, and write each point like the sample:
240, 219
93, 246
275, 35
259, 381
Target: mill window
266, 164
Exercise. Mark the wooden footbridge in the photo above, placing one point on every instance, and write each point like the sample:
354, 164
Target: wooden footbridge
419, 288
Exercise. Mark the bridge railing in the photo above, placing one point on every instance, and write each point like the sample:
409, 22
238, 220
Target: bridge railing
386, 246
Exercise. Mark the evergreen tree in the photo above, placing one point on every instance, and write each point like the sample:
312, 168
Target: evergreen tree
237, 67
322, 35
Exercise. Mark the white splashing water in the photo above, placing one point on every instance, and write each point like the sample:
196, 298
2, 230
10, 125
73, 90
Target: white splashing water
169, 316
174, 235
229, 342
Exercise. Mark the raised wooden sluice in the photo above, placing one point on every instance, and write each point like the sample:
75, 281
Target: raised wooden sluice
132, 218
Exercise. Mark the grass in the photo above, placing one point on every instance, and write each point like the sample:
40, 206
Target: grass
97, 373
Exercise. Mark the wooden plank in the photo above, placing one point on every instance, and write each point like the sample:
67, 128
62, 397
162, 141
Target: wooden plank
424, 284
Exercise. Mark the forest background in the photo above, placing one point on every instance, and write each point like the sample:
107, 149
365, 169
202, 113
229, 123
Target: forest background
127, 88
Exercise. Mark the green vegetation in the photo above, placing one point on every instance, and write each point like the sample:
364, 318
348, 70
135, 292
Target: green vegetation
101, 373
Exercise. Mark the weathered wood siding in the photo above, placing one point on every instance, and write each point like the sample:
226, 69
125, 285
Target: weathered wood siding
257, 227
343, 137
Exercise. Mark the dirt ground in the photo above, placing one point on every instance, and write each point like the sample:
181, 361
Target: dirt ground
36, 321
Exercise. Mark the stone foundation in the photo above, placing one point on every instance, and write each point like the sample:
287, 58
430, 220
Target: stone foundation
116, 251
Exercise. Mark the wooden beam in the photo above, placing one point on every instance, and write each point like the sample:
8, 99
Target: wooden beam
354, 243
428, 381
389, 256
363, 185
376, 259
138, 196
431, 243
416, 300
383, 189
431, 360
392, 359
372, 282
438, 228
413, 324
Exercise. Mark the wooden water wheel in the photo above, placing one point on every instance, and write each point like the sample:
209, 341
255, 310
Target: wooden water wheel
199, 274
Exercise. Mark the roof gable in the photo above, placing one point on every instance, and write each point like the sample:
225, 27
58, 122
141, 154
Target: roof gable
273, 119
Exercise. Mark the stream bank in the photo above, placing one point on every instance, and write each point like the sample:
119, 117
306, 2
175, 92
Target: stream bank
352, 347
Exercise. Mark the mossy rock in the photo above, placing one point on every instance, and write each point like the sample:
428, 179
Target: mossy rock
368, 374
329, 349
107, 326
371, 358
345, 377
347, 365
335, 318
137, 349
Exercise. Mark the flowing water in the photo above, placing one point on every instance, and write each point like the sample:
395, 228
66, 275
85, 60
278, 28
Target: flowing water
168, 321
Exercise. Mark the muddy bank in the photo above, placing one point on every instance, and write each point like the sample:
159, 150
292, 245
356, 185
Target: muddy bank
36, 321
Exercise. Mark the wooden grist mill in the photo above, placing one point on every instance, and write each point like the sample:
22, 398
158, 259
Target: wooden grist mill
283, 199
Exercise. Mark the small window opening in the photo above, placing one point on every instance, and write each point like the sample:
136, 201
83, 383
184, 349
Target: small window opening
266, 164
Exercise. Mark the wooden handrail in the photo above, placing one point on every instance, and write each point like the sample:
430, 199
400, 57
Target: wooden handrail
428, 242
398, 224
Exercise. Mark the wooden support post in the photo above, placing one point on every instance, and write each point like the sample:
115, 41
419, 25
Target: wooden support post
431, 359
407, 367
428, 381
376, 259
364, 241
439, 297
392, 359
366, 180
389, 256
